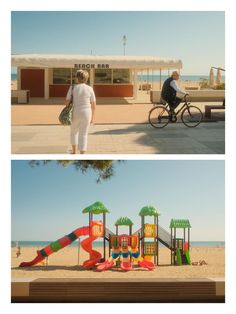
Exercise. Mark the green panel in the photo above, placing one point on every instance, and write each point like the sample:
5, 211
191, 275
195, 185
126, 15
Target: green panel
188, 257
55, 246
72, 236
43, 253
178, 257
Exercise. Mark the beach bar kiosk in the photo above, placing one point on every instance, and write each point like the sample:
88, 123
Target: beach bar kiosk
110, 76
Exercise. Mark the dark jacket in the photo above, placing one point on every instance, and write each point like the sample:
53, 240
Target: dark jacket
168, 93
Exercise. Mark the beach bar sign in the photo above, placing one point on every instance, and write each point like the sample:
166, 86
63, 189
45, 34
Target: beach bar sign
91, 66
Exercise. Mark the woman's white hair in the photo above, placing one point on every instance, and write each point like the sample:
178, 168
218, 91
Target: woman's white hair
82, 76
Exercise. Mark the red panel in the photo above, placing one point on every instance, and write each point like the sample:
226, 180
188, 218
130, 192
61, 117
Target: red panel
48, 250
33, 80
113, 90
100, 90
58, 90
65, 241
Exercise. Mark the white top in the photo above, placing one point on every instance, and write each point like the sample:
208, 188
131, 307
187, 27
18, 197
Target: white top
83, 95
174, 85
114, 62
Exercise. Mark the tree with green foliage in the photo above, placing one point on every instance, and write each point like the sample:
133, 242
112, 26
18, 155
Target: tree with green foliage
104, 168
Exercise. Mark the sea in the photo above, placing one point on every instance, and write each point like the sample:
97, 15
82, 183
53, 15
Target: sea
42, 244
156, 78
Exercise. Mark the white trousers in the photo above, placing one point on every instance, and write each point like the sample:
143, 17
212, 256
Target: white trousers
79, 128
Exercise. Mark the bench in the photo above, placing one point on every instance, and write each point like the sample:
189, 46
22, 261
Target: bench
198, 96
194, 96
208, 109
20, 96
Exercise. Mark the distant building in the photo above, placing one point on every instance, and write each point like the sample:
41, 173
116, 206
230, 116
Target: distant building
110, 76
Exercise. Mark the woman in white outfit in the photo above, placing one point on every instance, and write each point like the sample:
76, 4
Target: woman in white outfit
84, 105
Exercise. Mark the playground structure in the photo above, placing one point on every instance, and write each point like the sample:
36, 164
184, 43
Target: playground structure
140, 247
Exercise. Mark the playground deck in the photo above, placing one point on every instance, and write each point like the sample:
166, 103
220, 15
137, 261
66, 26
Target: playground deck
118, 290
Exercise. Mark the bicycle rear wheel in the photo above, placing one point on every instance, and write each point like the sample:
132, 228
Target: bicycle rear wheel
158, 117
191, 116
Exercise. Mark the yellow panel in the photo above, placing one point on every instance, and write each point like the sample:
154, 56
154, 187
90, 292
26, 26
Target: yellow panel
150, 231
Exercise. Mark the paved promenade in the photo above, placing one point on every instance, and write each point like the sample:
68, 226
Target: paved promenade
207, 138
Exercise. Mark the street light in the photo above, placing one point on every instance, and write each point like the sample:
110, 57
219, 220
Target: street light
124, 39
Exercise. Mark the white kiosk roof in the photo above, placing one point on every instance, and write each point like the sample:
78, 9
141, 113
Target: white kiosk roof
117, 62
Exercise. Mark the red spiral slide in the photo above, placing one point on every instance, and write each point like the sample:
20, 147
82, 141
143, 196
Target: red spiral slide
95, 256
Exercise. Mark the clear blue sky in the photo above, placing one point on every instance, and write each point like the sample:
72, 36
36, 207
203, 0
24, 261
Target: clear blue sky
47, 200
197, 38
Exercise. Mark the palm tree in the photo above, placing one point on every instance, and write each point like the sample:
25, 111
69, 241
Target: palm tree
104, 168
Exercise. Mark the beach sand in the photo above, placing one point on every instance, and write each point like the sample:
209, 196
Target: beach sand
64, 264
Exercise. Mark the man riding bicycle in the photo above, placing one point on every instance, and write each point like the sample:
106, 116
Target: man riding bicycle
169, 91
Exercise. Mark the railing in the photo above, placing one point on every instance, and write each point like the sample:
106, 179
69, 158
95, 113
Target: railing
108, 233
137, 232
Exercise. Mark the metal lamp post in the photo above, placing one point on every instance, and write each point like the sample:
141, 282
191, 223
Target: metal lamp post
124, 39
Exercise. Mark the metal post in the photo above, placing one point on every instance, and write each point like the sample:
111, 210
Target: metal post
104, 236
141, 81
124, 39
78, 249
152, 79
46, 83
142, 232
171, 245
160, 79
135, 85
18, 78
184, 235
189, 238
174, 244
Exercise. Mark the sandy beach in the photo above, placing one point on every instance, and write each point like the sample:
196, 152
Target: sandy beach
64, 264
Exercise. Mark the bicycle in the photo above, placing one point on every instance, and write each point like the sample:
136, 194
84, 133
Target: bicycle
160, 115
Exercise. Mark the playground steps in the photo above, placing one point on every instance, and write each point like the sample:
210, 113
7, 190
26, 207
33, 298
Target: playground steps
163, 236
118, 290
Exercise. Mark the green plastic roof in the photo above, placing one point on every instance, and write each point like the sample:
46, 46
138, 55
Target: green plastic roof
180, 223
123, 221
149, 211
96, 208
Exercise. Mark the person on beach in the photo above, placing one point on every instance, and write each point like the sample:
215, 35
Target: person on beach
18, 253
84, 105
169, 91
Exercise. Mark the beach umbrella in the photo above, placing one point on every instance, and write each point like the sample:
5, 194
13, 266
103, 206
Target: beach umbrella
211, 78
218, 77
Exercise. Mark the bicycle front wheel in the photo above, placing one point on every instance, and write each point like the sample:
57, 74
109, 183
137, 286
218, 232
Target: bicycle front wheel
191, 116
158, 117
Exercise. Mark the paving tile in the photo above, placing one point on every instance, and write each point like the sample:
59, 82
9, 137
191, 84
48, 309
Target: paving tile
208, 138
